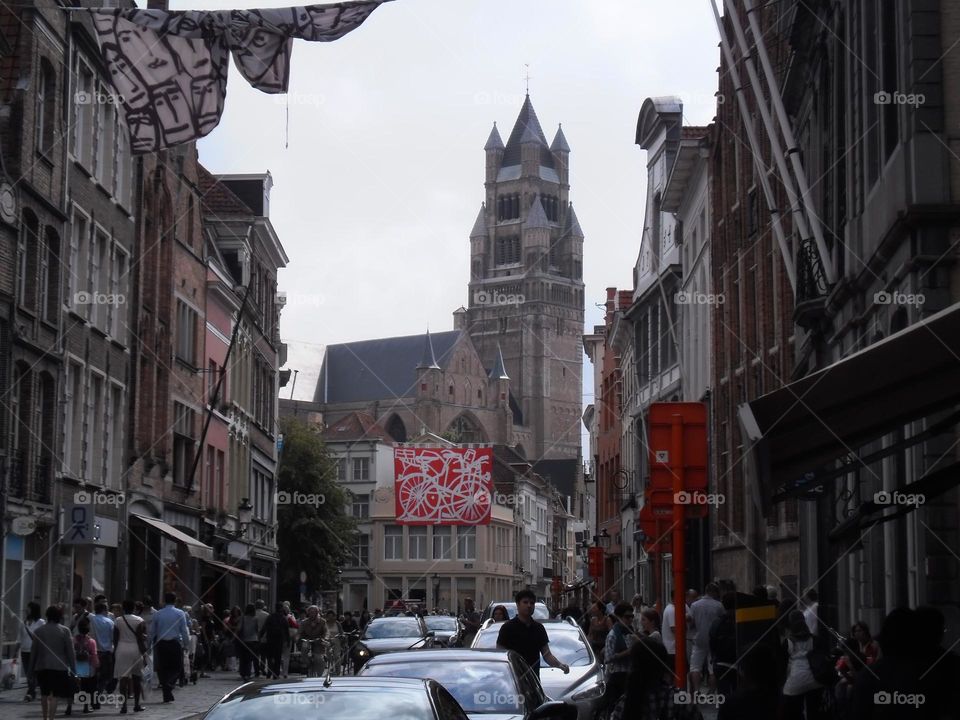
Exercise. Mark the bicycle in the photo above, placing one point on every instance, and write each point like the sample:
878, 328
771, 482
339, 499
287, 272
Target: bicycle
315, 663
331, 656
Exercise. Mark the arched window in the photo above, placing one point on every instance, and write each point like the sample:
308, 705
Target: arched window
396, 429
464, 430
46, 106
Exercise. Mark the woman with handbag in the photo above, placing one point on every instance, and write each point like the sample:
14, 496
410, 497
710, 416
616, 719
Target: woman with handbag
53, 661
130, 641
801, 691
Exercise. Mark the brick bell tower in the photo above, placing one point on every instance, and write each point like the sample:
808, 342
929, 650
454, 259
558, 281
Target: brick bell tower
526, 282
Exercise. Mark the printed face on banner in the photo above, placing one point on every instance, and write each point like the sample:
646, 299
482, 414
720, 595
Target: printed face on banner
443, 486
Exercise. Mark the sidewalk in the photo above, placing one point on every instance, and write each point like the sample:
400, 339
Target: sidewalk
190, 701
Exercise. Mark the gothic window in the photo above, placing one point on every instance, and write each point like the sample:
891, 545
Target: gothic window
396, 429
508, 207
463, 431
507, 250
46, 106
27, 250
551, 206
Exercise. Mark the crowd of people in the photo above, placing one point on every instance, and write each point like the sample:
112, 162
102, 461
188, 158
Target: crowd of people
797, 668
112, 652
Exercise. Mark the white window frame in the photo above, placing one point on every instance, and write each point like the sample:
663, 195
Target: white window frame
393, 542
418, 542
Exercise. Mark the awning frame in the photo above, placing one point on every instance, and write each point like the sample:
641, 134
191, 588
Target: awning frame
194, 547
239, 572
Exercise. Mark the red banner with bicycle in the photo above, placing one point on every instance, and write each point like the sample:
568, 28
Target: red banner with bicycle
443, 486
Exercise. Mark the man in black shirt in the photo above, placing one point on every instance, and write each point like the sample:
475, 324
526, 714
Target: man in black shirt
527, 637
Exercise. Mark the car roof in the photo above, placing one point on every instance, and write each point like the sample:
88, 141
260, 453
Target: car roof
351, 682
445, 654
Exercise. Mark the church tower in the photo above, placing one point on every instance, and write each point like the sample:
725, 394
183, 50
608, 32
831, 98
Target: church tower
526, 282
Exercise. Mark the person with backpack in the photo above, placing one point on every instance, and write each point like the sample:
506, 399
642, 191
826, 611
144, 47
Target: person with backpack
88, 663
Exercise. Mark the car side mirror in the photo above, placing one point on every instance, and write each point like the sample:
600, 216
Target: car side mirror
431, 633
554, 710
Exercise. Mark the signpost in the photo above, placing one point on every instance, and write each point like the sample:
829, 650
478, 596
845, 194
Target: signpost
677, 491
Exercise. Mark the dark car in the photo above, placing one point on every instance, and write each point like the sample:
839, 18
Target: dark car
487, 684
346, 698
391, 634
447, 630
540, 610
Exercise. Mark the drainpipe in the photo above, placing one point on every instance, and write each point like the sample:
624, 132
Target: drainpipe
792, 149
785, 252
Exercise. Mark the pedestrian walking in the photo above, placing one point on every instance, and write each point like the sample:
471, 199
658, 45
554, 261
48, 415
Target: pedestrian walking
471, 622
53, 661
292, 629
649, 691
649, 624
247, 641
703, 612
130, 643
616, 655
262, 615
169, 635
28, 627
103, 630
274, 637
801, 691
723, 646
598, 625
87, 665
528, 637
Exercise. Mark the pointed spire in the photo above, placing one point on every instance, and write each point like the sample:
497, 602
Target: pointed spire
572, 224
480, 226
536, 217
559, 143
499, 371
429, 360
526, 129
494, 142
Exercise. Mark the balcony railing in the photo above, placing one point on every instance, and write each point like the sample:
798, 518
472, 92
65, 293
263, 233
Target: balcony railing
18, 474
811, 286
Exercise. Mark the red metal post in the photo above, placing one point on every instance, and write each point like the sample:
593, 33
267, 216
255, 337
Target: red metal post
679, 561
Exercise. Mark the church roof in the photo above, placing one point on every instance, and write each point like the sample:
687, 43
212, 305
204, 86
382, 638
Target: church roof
385, 368
559, 143
428, 361
480, 226
572, 225
499, 371
356, 426
536, 218
494, 142
526, 129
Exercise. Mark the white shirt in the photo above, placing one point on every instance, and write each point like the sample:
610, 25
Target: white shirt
26, 638
810, 615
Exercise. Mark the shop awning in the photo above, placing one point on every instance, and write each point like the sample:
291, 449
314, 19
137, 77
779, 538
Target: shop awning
194, 547
239, 572
809, 423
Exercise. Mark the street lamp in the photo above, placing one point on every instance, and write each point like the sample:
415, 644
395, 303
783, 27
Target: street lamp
603, 539
244, 516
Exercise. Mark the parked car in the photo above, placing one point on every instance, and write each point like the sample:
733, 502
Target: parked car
540, 610
488, 684
583, 686
346, 698
391, 634
447, 630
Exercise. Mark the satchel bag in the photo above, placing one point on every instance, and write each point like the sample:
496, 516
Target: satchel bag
138, 633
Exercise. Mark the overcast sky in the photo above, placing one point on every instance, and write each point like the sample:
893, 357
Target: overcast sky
375, 197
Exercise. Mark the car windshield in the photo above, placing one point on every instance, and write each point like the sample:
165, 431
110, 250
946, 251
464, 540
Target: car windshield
565, 644
540, 611
479, 686
440, 623
366, 704
393, 628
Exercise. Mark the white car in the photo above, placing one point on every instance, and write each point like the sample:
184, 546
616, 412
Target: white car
583, 686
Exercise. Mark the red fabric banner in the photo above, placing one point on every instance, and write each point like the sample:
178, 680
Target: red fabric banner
443, 486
